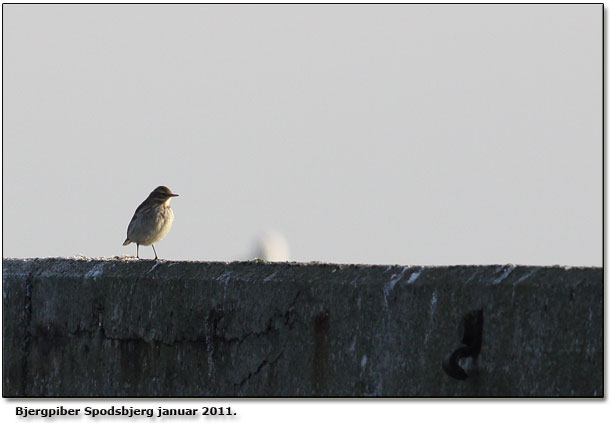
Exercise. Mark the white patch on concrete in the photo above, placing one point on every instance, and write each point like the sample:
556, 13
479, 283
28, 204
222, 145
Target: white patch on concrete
388, 287
433, 303
82, 257
95, 271
352, 344
472, 276
414, 276
154, 266
364, 361
225, 277
270, 277
504, 275
528, 275
396, 278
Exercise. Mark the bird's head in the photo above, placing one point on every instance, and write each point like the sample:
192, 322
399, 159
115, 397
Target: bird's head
162, 194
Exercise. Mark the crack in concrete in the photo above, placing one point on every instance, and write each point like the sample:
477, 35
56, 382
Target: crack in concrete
286, 317
51, 331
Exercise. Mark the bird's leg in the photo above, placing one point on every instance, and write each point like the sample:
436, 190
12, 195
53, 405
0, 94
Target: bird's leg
154, 252
137, 248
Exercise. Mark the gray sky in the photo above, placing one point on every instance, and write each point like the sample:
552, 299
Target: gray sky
411, 134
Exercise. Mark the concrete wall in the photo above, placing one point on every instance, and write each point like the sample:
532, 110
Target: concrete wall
129, 328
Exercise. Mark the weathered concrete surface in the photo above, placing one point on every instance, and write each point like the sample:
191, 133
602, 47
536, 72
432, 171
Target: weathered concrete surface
131, 328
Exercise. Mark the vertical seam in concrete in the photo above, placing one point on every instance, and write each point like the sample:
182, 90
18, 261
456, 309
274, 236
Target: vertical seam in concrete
27, 337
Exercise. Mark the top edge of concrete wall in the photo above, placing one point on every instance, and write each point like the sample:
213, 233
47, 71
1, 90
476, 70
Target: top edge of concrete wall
132, 259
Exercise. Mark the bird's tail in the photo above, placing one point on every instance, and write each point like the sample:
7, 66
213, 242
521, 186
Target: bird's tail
127, 241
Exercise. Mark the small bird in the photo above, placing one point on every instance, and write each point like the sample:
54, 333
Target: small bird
152, 220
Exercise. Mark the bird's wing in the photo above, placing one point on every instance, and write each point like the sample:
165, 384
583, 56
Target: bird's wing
140, 207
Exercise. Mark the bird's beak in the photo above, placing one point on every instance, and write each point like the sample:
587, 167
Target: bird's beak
173, 195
